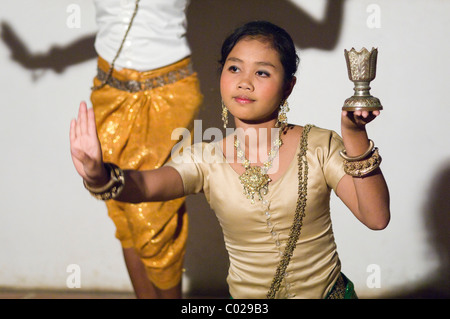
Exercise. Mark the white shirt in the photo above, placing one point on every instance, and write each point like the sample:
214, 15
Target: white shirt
157, 36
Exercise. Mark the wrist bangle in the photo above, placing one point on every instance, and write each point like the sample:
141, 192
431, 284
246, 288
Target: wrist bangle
113, 188
363, 168
366, 154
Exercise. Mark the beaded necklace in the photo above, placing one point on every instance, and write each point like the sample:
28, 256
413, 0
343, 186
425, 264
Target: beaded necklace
255, 179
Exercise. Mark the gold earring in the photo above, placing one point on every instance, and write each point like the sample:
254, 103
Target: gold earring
224, 115
282, 117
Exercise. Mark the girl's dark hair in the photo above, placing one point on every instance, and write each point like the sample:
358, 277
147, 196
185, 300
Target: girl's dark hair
281, 41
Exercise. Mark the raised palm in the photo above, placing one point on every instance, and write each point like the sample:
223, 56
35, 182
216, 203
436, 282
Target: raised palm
85, 146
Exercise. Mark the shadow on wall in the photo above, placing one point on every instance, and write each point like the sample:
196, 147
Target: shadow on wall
58, 58
437, 220
209, 22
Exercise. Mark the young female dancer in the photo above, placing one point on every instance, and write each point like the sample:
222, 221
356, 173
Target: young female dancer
273, 205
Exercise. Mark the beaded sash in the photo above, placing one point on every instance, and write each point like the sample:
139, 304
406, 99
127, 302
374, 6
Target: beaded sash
148, 84
299, 214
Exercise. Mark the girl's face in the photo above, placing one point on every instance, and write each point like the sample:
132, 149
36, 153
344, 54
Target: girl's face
252, 81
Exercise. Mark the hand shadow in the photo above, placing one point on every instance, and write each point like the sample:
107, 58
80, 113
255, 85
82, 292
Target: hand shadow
209, 23
57, 58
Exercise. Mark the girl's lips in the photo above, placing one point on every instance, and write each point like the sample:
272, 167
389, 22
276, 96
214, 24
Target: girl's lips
243, 99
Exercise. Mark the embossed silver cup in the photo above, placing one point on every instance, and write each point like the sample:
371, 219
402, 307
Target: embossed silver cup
361, 68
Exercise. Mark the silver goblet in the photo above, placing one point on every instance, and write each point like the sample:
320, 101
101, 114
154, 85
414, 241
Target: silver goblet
361, 68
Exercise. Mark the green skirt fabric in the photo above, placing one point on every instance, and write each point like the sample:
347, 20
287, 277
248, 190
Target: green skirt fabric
342, 289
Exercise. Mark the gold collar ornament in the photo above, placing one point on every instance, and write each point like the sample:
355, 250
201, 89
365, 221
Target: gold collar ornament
255, 179
255, 182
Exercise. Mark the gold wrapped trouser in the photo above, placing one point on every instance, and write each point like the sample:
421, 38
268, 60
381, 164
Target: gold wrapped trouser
135, 115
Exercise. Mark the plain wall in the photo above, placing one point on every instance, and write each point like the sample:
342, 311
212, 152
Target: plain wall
48, 221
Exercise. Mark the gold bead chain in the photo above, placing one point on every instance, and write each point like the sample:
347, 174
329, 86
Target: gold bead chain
298, 218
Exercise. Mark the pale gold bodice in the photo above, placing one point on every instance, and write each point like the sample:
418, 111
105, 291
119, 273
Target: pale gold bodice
255, 235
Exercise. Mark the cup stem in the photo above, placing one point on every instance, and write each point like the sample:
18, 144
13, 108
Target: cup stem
362, 89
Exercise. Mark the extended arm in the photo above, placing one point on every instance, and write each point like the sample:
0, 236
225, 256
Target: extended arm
160, 184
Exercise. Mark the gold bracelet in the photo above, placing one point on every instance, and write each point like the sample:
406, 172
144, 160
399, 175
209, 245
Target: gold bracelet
363, 168
113, 188
360, 157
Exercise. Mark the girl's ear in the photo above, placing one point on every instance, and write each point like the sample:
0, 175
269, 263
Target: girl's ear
289, 87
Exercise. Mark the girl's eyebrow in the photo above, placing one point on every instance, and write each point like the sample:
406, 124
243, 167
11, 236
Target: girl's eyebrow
233, 59
266, 64
262, 63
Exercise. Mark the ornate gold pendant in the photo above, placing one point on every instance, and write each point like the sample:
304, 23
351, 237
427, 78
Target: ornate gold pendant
255, 182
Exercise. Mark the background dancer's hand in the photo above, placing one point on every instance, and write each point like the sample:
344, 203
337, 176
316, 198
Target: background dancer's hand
85, 148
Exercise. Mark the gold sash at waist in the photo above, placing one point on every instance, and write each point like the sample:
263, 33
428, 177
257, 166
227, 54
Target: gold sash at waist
149, 82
